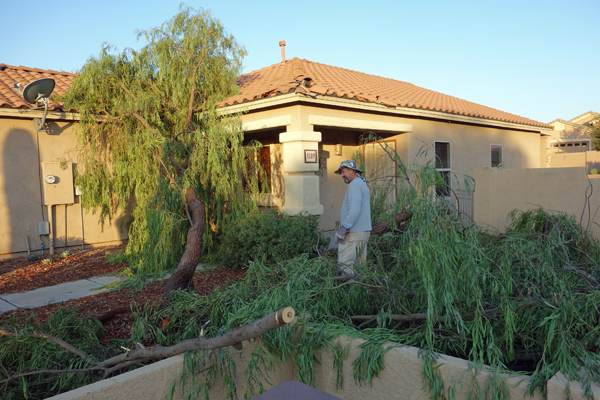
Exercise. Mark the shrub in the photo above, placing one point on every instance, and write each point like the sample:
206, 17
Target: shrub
594, 171
66, 254
270, 236
47, 261
32, 257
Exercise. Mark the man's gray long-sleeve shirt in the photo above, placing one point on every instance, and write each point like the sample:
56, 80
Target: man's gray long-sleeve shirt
356, 208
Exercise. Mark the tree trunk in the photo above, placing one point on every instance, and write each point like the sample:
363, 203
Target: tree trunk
383, 227
182, 278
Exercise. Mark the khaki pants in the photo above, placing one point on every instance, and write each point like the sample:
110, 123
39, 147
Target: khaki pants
353, 249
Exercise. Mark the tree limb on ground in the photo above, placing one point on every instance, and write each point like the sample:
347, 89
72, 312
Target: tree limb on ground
40, 335
234, 338
384, 226
423, 316
231, 338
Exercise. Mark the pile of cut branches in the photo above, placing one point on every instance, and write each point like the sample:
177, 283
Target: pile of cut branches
526, 300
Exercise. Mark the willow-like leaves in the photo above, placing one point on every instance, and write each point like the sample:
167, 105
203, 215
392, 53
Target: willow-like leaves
150, 130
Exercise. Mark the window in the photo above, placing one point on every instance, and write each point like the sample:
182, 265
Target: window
442, 165
264, 176
258, 167
496, 156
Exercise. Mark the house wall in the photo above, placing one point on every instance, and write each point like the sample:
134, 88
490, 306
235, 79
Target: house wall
556, 189
470, 145
570, 132
22, 150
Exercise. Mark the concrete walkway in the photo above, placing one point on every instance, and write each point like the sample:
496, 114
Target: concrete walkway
63, 292
56, 294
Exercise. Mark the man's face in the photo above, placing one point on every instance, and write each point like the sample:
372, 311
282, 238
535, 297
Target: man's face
348, 174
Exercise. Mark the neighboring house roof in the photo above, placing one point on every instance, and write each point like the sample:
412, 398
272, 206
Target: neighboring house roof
9, 75
585, 118
312, 79
583, 122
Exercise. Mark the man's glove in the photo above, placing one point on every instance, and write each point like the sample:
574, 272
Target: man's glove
340, 234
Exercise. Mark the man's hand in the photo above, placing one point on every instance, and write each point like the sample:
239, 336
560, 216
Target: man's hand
340, 234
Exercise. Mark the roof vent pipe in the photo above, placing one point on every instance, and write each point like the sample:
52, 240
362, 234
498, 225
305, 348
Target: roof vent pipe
282, 45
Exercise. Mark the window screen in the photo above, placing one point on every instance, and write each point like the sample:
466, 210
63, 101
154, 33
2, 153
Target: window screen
496, 156
442, 165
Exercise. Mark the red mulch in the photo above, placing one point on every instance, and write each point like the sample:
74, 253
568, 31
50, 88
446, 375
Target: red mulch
20, 274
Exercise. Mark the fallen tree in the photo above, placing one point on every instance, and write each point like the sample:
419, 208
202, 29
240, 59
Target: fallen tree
140, 354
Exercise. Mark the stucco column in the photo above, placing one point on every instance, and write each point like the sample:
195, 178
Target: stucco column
301, 185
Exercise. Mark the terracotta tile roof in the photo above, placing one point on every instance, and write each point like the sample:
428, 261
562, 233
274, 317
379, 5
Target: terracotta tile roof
10, 97
283, 78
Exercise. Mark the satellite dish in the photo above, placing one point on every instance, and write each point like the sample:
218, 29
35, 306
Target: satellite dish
38, 92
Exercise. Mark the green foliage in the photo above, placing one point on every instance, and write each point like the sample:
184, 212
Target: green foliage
594, 171
531, 293
32, 257
66, 254
271, 237
595, 134
138, 108
116, 257
26, 353
47, 261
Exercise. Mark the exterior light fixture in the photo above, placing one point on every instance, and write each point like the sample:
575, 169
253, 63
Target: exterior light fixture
338, 149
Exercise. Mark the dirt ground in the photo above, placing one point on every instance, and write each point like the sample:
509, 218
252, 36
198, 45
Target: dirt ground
20, 274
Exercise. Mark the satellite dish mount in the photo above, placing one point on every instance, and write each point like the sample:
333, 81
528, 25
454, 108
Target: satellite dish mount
38, 93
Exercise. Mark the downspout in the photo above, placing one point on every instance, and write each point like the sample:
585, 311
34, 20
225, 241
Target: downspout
65, 247
27, 244
51, 235
79, 193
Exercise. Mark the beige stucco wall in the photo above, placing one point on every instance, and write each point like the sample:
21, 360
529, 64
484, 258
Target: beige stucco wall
470, 145
401, 378
556, 189
586, 159
22, 150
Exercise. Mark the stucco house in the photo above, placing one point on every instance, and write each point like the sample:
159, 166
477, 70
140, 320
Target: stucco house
571, 142
308, 116
298, 106
26, 157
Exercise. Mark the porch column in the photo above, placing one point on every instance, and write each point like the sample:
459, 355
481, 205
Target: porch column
301, 185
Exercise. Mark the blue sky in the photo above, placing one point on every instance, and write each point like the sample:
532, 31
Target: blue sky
536, 59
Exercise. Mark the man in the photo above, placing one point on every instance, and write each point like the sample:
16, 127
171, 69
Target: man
355, 218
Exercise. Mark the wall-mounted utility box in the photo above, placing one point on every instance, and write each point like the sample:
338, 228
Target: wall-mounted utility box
43, 228
57, 182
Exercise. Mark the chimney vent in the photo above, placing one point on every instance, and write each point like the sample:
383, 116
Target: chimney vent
282, 45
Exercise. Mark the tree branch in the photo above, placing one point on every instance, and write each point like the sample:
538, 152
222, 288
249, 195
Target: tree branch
40, 335
52, 371
422, 316
231, 338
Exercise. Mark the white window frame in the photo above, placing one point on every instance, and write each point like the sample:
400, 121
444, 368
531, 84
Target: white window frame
501, 164
447, 170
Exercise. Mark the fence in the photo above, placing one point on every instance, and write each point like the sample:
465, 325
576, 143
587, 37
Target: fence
567, 190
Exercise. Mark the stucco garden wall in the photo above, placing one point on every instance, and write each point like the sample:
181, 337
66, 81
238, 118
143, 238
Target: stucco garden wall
22, 150
400, 379
498, 192
586, 159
